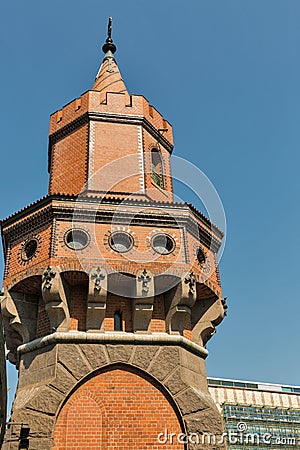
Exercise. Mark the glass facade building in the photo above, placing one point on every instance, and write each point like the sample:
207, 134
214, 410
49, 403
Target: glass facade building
258, 415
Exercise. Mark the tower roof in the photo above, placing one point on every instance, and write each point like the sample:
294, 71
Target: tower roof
109, 78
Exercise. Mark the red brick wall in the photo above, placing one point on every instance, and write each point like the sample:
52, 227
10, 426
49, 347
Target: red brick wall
69, 163
77, 307
112, 142
43, 322
15, 264
158, 323
115, 410
115, 303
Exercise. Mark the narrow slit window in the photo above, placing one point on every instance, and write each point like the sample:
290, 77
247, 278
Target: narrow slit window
157, 168
118, 321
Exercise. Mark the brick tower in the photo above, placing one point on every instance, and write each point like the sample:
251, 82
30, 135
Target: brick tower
111, 288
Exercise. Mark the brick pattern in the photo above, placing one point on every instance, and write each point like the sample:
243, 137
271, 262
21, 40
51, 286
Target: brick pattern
69, 153
124, 305
15, 263
43, 322
77, 307
115, 410
157, 323
116, 157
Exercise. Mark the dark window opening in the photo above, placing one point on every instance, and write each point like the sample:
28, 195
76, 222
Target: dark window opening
29, 249
118, 323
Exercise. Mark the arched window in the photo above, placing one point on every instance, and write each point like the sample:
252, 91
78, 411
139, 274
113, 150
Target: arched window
118, 323
157, 168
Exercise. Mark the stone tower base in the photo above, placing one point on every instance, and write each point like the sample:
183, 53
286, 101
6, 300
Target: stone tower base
118, 390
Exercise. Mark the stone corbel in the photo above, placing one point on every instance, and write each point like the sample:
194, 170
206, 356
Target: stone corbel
143, 303
207, 314
55, 299
96, 304
15, 332
180, 300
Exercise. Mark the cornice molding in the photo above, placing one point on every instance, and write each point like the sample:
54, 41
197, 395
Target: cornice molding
45, 210
113, 338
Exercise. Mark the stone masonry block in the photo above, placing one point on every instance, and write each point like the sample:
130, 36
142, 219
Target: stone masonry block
143, 356
46, 400
95, 354
64, 381
193, 400
70, 356
41, 425
165, 361
119, 353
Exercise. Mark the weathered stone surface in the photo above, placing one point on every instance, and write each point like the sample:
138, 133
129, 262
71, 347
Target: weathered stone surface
95, 354
192, 362
39, 358
191, 378
174, 382
193, 400
143, 356
11, 445
205, 421
71, 357
119, 353
41, 444
205, 438
37, 377
41, 425
64, 381
37, 367
23, 396
165, 361
47, 400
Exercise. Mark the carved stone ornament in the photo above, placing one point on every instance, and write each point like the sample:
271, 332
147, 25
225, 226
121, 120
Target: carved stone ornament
191, 281
48, 276
97, 277
55, 299
97, 296
145, 279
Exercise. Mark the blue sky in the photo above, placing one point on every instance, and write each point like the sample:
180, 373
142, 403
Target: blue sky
226, 74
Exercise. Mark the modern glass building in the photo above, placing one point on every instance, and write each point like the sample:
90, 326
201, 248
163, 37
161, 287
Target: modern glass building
258, 415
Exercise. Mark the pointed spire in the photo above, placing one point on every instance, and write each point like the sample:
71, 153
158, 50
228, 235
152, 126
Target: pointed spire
108, 78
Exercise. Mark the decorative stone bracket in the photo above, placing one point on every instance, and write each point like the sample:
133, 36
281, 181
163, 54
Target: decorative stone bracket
16, 332
55, 299
206, 315
143, 304
180, 300
97, 296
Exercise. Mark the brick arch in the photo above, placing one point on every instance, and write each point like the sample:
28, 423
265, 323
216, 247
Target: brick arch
118, 407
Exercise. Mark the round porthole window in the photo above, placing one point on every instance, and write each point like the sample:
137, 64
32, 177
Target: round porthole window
163, 244
77, 239
120, 241
29, 249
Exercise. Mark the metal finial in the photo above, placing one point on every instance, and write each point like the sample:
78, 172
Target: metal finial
109, 45
109, 27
